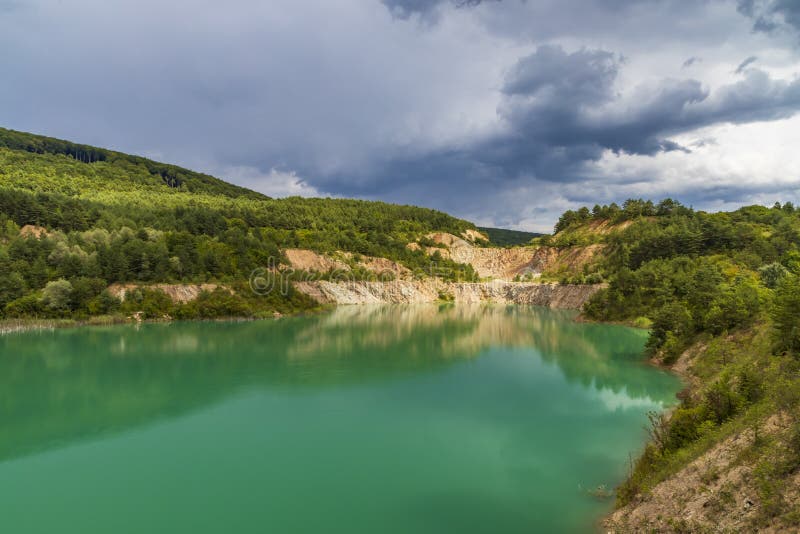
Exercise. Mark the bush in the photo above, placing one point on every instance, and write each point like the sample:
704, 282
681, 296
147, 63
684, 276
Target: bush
56, 295
213, 305
721, 401
103, 304
672, 322
684, 427
27, 306
153, 303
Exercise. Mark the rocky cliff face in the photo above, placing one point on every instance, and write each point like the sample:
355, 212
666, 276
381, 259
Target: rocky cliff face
179, 293
500, 264
308, 260
507, 263
431, 290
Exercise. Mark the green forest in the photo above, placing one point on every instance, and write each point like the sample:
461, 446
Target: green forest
508, 238
726, 288
114, 218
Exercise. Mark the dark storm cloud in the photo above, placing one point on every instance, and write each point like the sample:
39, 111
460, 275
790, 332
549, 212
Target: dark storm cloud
744, 64
562, 111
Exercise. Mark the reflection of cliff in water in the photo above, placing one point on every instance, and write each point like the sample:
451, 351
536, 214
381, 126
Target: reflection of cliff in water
590, 354
69, 385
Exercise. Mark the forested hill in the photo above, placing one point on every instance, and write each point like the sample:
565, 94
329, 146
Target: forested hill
721, 295
102, 217
109, 164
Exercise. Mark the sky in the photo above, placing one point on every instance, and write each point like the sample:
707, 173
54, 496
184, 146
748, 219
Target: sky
504, 112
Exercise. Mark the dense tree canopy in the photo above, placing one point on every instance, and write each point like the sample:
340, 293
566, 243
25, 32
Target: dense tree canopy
113, 218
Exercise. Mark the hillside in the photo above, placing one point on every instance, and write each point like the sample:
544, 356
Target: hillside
115, 168
76, 219
721, 293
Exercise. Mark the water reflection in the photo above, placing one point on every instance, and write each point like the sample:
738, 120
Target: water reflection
64, 386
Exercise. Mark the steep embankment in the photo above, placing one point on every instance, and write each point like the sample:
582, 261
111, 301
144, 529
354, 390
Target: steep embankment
509, 263
717, 492
392, 283
432, 290
178, 293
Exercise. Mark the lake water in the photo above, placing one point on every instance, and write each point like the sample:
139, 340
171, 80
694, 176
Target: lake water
407, 419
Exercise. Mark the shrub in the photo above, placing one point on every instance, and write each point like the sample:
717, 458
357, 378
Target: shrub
684, 427
721, 401
27, 306
103, 303
772, 274
56, 295
153, 303
213, 305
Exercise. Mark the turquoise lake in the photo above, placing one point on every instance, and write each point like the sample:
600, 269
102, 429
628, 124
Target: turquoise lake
387, 419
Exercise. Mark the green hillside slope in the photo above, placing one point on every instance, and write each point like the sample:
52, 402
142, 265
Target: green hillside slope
113, 218
114, 166
721, 292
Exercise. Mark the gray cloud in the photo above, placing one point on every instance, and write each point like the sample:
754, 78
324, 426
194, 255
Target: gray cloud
691, 61
562, 111
772, 15
404, 9
10, 6
746, 63
482, 114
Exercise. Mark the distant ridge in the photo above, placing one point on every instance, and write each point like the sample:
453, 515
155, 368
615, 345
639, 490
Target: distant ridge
503, 237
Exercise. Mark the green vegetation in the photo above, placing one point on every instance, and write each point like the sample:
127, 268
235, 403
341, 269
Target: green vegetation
136, 168
721, 291
113, 218
508, 238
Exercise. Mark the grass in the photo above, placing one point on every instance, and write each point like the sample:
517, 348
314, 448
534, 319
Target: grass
14, 326
762, 385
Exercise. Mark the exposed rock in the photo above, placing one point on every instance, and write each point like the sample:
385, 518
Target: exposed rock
431, 290
507, 263
382, 266
474, 235
179, 293
488, 262
308, 260
398, 291
30, 230
605, 226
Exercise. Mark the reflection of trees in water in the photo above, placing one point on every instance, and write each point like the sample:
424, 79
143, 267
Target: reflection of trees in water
72, 384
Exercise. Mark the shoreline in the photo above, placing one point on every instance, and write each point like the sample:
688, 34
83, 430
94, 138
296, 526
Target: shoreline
23, 326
